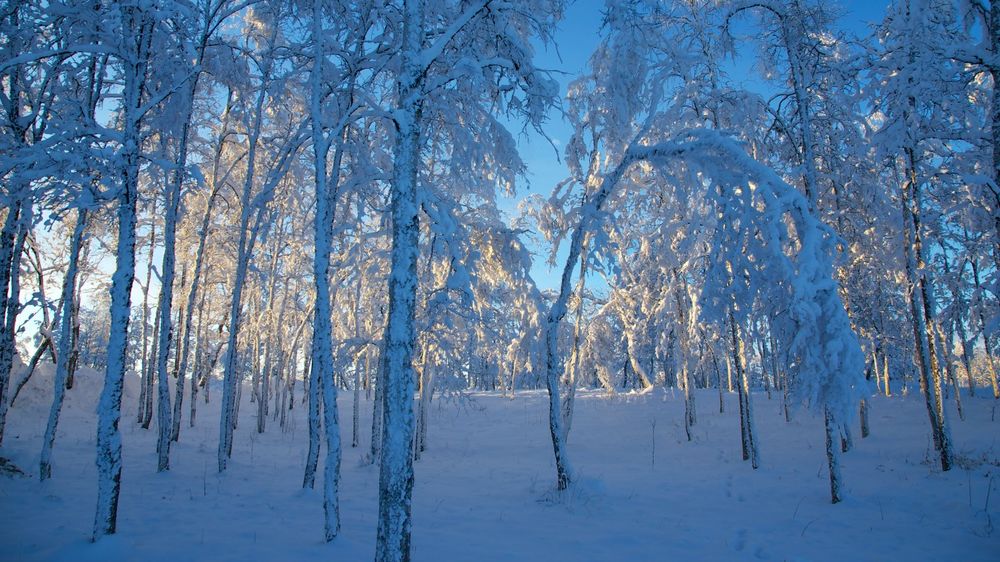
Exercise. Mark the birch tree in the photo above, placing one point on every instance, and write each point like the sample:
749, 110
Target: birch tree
476, 47
140, 24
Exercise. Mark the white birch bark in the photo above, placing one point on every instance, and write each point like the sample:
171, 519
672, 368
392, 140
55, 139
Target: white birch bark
832, 456
322, 352
109, 444
144, 415
926, 364
66, 319
396, 466
11, 246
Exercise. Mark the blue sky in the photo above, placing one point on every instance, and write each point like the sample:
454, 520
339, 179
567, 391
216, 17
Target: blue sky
576, 38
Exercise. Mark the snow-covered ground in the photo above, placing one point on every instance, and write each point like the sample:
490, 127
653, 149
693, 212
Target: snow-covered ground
484, 489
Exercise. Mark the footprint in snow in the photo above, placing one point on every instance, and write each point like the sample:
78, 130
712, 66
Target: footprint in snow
741, 540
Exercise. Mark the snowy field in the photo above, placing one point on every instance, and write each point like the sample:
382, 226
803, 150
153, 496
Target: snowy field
484, 488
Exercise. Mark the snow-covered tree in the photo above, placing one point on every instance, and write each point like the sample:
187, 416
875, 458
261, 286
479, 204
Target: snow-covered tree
476, 53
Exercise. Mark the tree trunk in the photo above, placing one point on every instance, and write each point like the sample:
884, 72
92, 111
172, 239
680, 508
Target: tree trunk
356, 403
729, 374
109, 444
690, 416
12, 305
375, 450
227, 421
8, 235
949, 367
74, 357
165, 326
184, 348
718, 381
966, 361
331, 467
424, 392
863, 410
149, 374
396, 468
918, 307
66, 322
994, 69
987, 348
832, 456
144, 398
569, 384
746, 404
322, 351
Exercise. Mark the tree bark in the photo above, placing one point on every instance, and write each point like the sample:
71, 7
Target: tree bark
17, 218
109, 444
396, 467
832, 456
66, 322
917, 294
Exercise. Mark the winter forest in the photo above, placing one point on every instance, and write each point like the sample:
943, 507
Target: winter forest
499, 279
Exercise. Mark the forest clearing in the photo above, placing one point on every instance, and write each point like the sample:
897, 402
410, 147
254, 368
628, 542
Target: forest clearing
485, 493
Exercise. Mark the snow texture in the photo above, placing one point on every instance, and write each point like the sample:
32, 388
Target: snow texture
484, 490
